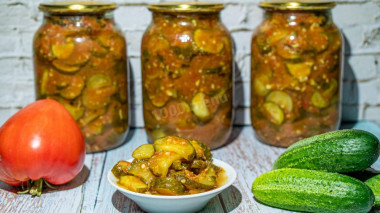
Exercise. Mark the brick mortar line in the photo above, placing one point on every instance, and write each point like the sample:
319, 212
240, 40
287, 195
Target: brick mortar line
345, 80
11, 107
353, 2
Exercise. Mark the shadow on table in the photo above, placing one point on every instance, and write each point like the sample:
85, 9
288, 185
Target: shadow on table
124, 204
236, 130
77, 181
230, 197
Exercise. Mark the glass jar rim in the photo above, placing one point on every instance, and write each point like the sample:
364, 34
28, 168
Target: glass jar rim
297, 4
77, 7
186, 7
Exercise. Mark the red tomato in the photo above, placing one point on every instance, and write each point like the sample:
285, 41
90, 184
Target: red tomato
41, 141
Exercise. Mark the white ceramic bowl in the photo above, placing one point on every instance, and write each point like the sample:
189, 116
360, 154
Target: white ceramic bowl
182, 203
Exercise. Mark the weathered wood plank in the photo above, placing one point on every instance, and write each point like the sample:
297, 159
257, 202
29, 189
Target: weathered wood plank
250, 158
109, 199
90, 188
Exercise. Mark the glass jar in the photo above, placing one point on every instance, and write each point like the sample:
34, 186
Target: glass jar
80, 60
296, 72
187, 73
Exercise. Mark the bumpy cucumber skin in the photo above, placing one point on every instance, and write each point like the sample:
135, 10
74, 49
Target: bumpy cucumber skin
337, 151
374, 184
312, 191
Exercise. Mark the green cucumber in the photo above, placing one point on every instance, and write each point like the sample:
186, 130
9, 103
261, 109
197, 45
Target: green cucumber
337, 151
371, 177
312, 191
374, 184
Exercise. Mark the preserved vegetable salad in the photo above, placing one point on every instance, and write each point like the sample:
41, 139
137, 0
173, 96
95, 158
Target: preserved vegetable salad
170, 166
80, 61
296, 73
187, 73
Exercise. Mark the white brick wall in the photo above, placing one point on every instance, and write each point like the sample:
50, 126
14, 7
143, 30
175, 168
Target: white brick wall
358, 19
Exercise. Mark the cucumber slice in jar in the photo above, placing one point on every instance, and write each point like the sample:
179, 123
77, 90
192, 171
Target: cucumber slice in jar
208, 41
81, 53
117, 47
333, 87
62, 51
262, 43
282, 99
159, 100
176, 112
95, 127
261, 83
73, 55
44, 89
74, 89
321, 99
318, 40
276, 35
98, 81
96, 99
98, 91
157, 44
98, 50
158, 91
318, 100
90, 115
199, 106
64, 67
273, 112
291, 47
120, 118
76, 111
301, 71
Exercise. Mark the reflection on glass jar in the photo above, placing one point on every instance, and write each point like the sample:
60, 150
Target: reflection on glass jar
296, 71
80, 61
187, 73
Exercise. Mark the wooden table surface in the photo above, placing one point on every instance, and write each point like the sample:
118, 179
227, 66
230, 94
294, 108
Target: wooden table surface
91, 192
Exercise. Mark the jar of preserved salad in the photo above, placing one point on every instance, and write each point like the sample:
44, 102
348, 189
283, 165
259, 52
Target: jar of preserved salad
80, 60
296, 72
187, 73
